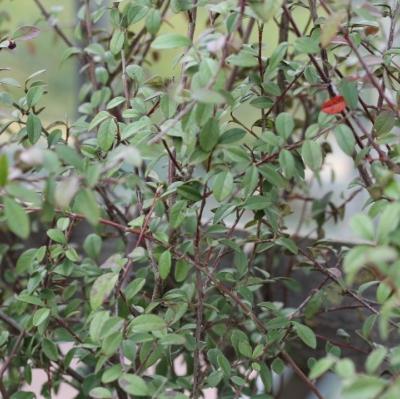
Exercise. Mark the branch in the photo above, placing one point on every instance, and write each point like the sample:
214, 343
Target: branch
56, 28
301, 375
355, 296
17, 328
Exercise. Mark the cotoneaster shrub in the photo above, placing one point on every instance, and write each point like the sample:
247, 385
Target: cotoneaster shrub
142, 239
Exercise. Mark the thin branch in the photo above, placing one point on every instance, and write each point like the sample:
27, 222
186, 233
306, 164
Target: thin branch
351, 293
125, 79
7, 362
17, 328
56, 28
301, 375
200, 294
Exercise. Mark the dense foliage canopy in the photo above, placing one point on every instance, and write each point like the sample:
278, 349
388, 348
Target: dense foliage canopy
171, 236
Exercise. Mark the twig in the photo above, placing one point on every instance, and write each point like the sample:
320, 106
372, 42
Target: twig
17, 328
351, 293
200, 294
7, 362
56, 28
125, 79
300, 374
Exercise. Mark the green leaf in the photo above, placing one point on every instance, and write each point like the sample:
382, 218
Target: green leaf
181, 5
111, 343
232, 136
345, 368
389, 221
69, 52
245, 349
147, 323
117, 42
170, 41
40, 316
289, 244
23, 193
112, 374
134, 385
257, 203
92, 245
250, 180
190, 191
177, 214
33, 128
3, 170
244, 59
284, 124
348, 89
214, 378
364, 387
100, 393
262, 102
363, 226
354, 260
25, 261
85, 203
265, 9
97, 324
34, 300
111, 325
209, 135
153, 21
181, 270
375, 359
305, 334
172, 339
276, 58
100, 117
272, 176
223, 185
207, 96
16, 218
115, 102
106, 134
101, 289
287, 163
23, 395
33, 96
164, 264
383, 292
70, 156
307, 45
312, 155
57, 236
50, 349
345, 139
225, 365
384, 122
321, 366
266, 376
26, 33
134, 287
241, 382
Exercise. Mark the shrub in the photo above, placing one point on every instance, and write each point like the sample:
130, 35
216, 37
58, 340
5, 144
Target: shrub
154, 245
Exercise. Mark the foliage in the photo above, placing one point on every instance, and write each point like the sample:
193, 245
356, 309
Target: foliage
143, 242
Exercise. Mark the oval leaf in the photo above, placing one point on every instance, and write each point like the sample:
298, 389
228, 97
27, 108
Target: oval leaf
16, 218
101, 288
170, 41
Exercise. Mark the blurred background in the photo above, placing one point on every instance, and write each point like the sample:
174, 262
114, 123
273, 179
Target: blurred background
44, 52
